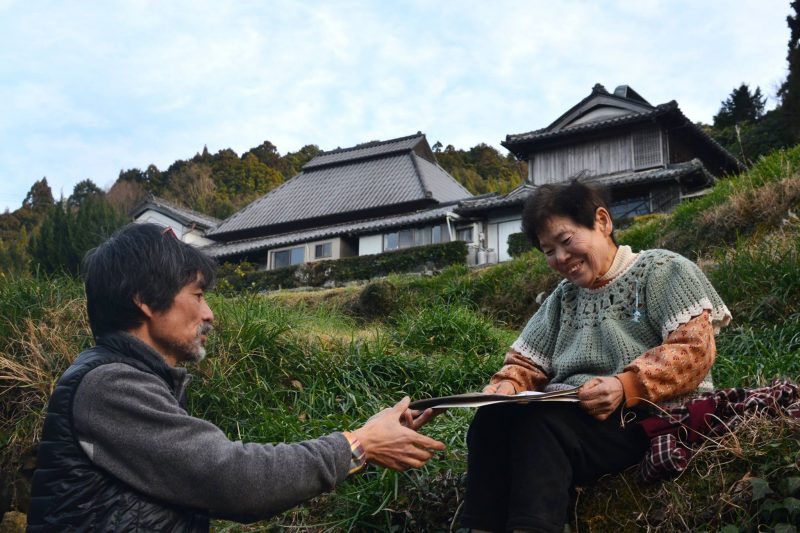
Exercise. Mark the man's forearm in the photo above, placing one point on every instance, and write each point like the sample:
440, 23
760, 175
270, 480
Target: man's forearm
132, 427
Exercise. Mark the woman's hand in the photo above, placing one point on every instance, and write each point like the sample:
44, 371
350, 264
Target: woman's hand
501, 387
601, 396
415, 419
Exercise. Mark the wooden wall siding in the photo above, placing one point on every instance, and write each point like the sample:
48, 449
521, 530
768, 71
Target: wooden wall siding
647, 150
640, 149
602, 156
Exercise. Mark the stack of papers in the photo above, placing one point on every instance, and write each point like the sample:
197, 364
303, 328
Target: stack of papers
479, 399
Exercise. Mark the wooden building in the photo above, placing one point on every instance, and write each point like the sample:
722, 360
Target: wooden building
650, 157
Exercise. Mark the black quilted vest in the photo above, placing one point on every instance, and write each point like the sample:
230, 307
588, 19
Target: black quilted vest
69, 493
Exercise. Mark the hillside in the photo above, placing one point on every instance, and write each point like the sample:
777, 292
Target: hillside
291, 365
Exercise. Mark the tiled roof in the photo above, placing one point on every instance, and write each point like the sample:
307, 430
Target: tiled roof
546, 133
518, 195
350, 181
221, 250
673, 171
365, 151
515, 197
183, 215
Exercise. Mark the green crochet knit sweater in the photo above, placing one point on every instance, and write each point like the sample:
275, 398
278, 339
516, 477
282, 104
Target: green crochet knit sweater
578, 333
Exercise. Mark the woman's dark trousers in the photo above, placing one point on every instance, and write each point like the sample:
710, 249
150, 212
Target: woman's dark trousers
524, 461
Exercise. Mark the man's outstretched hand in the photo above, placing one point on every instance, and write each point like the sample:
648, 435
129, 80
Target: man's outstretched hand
388, 442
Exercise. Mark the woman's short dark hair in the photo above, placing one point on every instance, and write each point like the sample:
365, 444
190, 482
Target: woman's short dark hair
144, 263
573, 199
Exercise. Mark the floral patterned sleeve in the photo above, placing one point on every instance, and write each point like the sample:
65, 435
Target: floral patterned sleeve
521, 372
675, 367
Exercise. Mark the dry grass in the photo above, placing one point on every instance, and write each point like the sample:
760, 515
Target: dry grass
747, 211
746, 478
37, 353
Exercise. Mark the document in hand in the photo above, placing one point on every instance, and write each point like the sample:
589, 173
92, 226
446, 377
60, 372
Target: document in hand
479, 399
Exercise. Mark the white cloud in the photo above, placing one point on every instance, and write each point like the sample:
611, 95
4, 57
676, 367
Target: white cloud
90, 88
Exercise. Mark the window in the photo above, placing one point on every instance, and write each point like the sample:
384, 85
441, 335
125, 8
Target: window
416, 237
464, 234
630, 207
390, 241
422, 236
405, 238
322, 251
647, 148
284, 258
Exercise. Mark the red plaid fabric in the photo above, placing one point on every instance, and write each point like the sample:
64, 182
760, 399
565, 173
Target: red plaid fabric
675, 431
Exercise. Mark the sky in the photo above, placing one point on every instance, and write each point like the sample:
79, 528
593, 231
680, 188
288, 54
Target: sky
93, 87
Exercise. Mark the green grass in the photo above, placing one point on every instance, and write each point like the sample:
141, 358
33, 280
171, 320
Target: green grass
296, 365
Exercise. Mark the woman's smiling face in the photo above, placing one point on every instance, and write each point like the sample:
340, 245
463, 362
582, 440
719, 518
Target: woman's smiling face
580, 254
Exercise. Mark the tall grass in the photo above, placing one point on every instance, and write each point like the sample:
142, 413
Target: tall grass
297, 365
270, 381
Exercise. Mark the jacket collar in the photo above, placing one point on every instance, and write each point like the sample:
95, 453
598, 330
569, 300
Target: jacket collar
128, 345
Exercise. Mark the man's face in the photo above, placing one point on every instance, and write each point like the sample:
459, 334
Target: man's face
180, 331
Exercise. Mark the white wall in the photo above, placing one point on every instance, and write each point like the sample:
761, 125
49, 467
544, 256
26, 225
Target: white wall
497, 231
370, 244
187, 234
162, 220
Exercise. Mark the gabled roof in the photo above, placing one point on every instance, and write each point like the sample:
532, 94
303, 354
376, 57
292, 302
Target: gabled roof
185, 216
355, 228
601, 104
373, 179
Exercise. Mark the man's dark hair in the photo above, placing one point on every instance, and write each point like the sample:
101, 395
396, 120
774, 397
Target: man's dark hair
573, 199
143, 262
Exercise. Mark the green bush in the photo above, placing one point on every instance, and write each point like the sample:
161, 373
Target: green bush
518, 244
448, 328
644, 233
365, 267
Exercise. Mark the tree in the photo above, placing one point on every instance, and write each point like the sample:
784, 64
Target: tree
125, 195
741, 106
789, 93
40, 197
193, 186
65, 235
82, 191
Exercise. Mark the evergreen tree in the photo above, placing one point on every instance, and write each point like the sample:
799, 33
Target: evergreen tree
789, 92
741, 106
82, 191
65, 235
40, 197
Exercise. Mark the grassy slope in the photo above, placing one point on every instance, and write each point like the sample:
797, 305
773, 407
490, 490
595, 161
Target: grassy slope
295, 365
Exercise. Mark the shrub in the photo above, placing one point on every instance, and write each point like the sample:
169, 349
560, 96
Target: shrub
365, 267
375, 301
644, 233
449, 328
518, 244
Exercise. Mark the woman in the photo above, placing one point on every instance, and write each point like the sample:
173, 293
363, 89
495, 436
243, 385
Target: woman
630, 329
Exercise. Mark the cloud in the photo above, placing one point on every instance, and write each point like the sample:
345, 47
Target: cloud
91, 88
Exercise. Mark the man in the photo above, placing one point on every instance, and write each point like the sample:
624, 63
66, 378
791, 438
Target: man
119, 452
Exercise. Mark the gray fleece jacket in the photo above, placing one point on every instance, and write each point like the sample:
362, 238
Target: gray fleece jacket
130, 424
